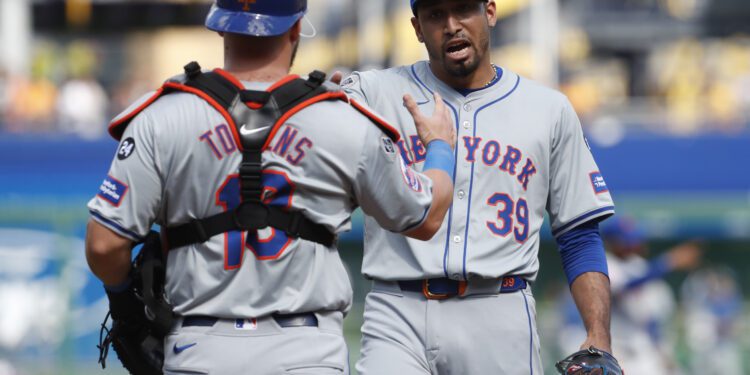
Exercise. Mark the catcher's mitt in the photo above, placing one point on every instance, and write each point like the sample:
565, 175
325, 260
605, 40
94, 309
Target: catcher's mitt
591, 361
137, 333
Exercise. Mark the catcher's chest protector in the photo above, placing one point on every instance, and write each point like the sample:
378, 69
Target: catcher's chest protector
254, 117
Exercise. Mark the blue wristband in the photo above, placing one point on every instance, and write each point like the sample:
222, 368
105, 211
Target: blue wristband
439, 156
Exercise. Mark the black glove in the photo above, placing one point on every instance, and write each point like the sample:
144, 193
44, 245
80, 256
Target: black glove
591, 361
140, 352
137, 333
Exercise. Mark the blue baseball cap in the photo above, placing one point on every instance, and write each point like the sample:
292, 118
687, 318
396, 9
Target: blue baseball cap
255, 17
622, 229
414, 5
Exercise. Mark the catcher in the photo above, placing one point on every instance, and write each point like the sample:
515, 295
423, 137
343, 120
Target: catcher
250, 174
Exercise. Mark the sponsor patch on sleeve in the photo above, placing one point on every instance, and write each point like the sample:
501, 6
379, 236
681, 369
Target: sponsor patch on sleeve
112, 191
597, 181
410, 177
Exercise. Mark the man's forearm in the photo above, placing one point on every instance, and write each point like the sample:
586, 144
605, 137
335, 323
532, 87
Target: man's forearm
591, 293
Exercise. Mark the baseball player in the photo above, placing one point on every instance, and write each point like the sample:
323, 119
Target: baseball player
643, 304
259, 302
462, 303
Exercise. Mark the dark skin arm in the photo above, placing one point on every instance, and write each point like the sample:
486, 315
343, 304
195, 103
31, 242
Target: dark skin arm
591, 293
107, 253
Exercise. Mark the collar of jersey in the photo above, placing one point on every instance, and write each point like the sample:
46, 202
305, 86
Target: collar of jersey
498, 77
430, 82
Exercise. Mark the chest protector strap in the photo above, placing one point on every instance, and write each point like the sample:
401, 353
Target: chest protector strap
255, 117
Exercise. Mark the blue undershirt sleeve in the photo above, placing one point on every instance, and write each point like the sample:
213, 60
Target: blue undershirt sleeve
657, 268
582, 250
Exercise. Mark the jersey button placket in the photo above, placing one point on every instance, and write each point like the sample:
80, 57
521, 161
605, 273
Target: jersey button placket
461, 184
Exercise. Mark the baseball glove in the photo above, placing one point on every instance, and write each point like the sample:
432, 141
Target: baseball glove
591, 361
135, 337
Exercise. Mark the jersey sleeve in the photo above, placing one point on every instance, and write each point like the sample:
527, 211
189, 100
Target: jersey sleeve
396, 196
353, 86
128, 199
578, 192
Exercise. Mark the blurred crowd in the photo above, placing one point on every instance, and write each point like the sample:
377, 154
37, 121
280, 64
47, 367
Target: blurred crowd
63, 92
681, 87
684, 85
697, 329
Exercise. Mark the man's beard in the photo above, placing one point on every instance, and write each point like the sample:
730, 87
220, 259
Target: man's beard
463, 69
460, 70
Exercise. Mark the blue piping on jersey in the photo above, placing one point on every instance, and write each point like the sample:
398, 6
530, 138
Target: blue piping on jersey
581, 218
471, 181
531, 336
117, 227
455, 165
498, 77
418, 223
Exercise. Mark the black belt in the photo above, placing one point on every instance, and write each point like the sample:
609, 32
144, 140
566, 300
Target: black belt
441, 288
283, 320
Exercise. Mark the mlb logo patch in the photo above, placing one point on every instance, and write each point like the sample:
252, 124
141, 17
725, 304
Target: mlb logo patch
112, 190
246, 324
597, 182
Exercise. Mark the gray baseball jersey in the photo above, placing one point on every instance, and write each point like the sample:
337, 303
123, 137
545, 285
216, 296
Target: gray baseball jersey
178, 161
520, 152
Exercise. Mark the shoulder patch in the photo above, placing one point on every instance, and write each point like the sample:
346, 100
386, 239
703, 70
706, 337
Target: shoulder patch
411, 178
126, 148
597, 182
112, 190
350, 81
388, 145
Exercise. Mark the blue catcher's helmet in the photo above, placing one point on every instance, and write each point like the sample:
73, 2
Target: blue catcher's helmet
255, 17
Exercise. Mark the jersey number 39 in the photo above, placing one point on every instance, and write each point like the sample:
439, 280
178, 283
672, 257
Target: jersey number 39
267, 243
506, 209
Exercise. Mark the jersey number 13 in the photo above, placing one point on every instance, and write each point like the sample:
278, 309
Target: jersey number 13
267, 243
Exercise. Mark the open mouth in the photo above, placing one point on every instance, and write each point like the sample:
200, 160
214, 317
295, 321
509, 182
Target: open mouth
457, 49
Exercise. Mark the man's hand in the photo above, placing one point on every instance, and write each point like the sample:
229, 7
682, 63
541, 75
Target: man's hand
685, 256
437, 127
336, 77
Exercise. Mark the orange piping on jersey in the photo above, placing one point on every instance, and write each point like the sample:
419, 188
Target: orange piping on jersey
114, 130
394, 134
213, 103
299, 107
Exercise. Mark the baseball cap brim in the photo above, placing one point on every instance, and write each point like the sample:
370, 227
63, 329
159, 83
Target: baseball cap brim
249, 23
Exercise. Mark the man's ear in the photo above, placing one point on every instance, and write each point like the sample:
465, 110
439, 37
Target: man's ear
491, 11
417, 29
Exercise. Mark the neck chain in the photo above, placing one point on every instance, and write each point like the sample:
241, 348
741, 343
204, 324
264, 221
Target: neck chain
494, 76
